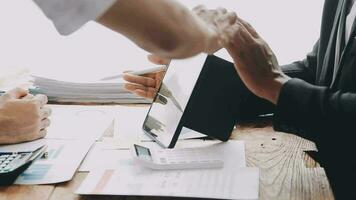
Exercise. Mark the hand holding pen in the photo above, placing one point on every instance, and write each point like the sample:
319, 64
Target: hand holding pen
138, 73
146, 85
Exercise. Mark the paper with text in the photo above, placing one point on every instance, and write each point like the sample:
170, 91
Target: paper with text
233, 181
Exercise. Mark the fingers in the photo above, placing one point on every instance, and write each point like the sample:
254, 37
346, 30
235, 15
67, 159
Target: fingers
17, 93
45, 112
42, 134
199, 8
158, 60
238, 36
146, 92
44, 124
158, 77
229, 17
248, 27
141, 80
221, 10
28, 96
40, 100
232, 17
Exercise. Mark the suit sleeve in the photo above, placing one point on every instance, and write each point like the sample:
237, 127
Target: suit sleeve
253, 106
310, 110
304, 108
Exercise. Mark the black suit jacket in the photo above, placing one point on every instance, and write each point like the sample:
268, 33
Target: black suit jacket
318, 108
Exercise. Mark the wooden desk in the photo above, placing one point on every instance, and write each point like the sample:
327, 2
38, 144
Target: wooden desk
286, 171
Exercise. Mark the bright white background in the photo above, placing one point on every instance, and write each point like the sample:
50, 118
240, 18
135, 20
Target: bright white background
29, 40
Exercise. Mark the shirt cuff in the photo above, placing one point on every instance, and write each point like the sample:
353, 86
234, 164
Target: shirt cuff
69, 15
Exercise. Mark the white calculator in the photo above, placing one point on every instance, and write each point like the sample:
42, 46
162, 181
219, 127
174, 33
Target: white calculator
185, 158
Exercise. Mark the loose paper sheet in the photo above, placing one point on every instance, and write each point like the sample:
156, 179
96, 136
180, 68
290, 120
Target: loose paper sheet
104, 155
64, 158
233, 181
101, 156
79, 122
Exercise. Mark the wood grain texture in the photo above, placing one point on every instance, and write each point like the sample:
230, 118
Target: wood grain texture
21, 192
286, 171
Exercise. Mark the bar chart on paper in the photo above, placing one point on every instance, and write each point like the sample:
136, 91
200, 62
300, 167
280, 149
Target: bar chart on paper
62, 160
38, 172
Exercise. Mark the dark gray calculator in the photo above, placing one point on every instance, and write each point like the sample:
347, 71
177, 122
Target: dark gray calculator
12, 164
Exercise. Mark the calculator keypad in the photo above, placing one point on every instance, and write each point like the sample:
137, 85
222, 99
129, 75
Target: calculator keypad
5, 160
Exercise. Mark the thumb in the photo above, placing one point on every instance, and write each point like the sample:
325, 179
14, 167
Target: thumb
17, 93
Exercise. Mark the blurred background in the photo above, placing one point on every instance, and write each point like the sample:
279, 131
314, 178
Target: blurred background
29, 41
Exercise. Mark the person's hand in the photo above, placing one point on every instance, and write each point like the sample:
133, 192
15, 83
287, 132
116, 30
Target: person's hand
218, 20
23, 117
146, 85
255, 61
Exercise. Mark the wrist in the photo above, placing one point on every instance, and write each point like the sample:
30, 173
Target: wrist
207, 37
274, 91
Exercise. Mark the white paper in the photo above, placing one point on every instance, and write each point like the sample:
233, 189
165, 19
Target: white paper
239, 183
130, 121
64, 158
112, 158
233, 181
79, 122
101, 156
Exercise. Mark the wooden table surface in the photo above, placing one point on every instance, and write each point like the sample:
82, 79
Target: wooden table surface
286, 171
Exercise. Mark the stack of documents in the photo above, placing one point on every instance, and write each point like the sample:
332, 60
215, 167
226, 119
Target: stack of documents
95, 92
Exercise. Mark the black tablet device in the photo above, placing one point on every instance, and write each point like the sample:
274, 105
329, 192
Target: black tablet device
200, 93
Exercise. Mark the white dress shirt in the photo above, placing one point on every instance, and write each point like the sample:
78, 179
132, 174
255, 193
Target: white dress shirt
69, 15
350, 20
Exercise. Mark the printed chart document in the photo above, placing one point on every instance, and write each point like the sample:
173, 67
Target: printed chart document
79, 122
62, 161
233, 181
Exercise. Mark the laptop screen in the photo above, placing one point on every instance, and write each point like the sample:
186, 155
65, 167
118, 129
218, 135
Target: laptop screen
163, 119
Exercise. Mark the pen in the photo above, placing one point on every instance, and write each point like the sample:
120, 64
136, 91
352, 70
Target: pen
32, 91
140, 72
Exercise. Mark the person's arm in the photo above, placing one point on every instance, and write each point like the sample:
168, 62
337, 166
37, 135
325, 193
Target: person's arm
253, 106
302, 108
162, 27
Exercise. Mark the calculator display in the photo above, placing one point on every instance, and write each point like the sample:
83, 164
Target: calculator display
143, 152
162, 121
